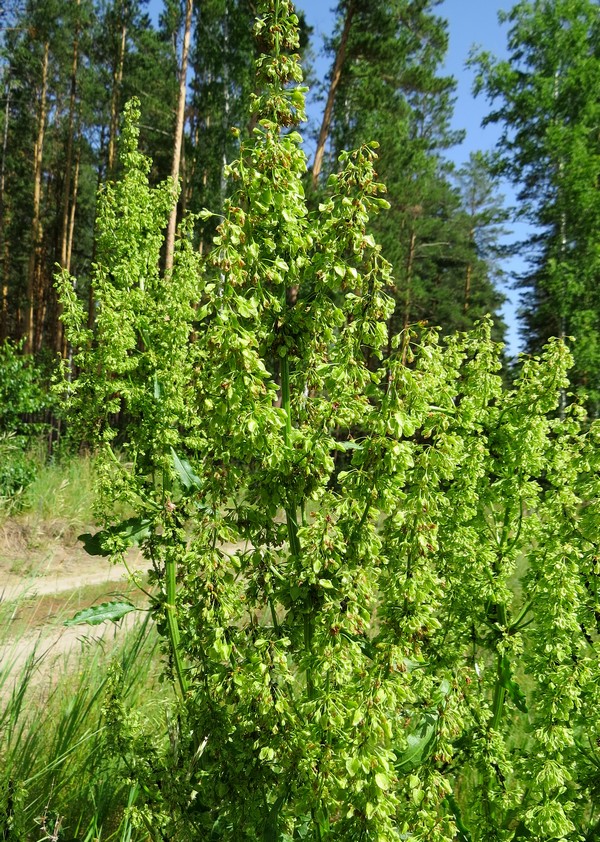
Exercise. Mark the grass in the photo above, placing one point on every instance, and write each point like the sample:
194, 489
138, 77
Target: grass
59, 779
61, 497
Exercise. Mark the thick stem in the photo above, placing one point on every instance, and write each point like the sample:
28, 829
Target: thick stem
499, 696
291, 517
499, 689
172, 625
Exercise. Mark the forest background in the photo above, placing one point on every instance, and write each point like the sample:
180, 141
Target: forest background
68, 68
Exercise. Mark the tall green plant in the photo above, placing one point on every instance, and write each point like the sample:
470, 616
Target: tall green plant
375, 577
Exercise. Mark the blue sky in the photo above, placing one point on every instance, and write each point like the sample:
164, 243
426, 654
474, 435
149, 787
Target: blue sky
470, 22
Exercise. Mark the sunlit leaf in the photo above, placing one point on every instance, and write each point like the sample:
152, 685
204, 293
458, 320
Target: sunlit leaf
97, 614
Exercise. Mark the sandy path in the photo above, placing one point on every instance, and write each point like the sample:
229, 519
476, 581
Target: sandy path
58, 580
58, 568
51, 647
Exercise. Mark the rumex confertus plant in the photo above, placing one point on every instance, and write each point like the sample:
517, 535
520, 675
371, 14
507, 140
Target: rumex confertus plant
374, 572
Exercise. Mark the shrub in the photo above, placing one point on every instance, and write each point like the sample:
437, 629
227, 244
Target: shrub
24, 397
404, 647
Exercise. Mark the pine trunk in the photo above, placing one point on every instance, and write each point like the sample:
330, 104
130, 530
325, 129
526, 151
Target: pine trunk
410, 260
333, 86
35, 255
115, 98
467, 298
4, 246
66, 214
178, 139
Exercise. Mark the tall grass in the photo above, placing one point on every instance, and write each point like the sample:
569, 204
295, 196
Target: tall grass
58, 780
61, 495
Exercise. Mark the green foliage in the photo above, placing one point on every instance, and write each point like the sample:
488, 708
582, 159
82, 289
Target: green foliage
390, 88
375, 567
25, 401
17, 471
22, 391
544, 98
59, 780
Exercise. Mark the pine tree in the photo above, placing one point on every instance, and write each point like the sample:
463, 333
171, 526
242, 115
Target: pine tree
545, 98
385, 84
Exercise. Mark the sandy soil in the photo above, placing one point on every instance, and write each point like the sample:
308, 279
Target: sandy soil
36, 565
42, 570
48, 559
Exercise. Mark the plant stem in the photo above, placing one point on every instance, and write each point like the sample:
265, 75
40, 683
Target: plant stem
290, 511
499, 696
499, 689
292, 520
172, 625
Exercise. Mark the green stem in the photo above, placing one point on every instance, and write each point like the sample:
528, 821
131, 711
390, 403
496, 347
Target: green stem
172, 625
292, 519
290, 511
308, 645
274, 615
499, 690
499, 696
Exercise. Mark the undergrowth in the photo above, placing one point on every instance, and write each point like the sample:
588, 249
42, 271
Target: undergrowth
58, 778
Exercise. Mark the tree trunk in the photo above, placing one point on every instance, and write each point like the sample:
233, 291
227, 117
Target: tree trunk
178, 139
72, 212
410, 260
36, 224
407, 304
114, 102
3, 218
333, 86
69, 151
66, 215
467, 298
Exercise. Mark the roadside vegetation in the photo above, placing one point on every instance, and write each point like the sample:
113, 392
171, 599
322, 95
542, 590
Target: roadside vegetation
372, 607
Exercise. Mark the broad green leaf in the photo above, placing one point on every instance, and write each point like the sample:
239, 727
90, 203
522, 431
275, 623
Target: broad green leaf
132, 531
185, 472
92, 543
98, 614
420, 743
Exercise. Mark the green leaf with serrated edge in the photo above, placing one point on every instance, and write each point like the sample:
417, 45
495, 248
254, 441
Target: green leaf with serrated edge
132, 531
98, 614
185, 472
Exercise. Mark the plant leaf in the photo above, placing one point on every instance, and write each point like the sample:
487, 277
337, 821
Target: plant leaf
132, 530
97, 614
92, 544
420, 743
185, 472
